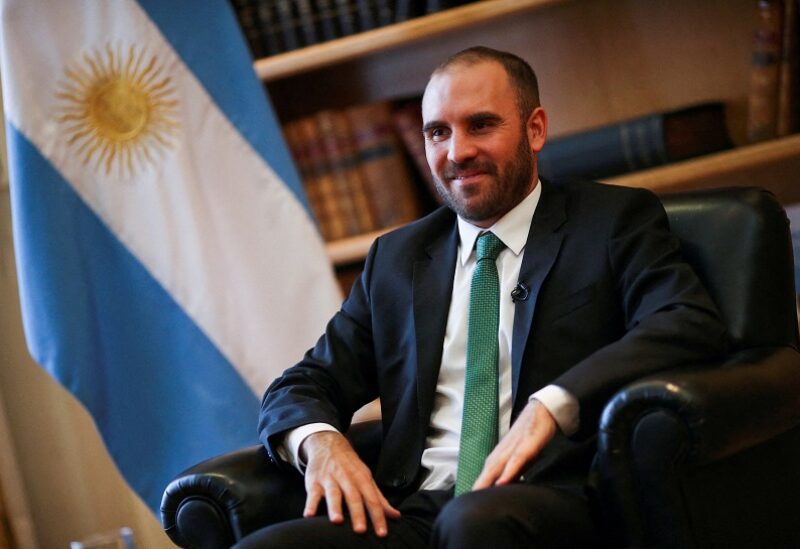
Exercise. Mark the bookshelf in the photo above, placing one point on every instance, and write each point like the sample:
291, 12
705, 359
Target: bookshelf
773, 164
598, 62
385, 38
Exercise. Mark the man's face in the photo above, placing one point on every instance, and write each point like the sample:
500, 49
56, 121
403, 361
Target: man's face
479, 151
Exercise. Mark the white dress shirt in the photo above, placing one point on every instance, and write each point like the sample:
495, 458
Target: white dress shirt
440, 456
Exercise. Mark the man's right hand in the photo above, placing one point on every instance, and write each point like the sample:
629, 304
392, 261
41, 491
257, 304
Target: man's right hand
334, 471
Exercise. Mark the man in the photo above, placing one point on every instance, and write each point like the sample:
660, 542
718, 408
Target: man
600, 297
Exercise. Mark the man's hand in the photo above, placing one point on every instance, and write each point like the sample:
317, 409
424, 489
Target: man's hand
335, 471
531, 432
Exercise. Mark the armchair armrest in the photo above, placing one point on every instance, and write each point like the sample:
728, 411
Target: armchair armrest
219, 501
667, 442
752, 397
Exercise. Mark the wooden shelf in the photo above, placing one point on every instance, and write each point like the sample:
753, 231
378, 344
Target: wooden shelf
366, 43
353, 249
774, 165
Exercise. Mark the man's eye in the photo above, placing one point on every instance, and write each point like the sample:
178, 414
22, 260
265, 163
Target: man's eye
437, 134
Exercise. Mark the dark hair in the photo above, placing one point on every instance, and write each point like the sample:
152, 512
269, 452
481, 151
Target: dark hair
522, 77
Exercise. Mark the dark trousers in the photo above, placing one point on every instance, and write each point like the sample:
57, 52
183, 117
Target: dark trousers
518, 515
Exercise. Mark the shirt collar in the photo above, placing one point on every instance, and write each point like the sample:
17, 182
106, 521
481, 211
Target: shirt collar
512, 228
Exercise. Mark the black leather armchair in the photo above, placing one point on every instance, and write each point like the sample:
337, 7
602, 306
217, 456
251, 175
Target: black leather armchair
704, 456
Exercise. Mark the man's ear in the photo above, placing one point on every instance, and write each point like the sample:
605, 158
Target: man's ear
537, 129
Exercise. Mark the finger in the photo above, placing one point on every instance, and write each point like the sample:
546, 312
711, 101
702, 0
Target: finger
492, 469
313, 498
512, 470
388, 510
355, 505
375, 510
333, 497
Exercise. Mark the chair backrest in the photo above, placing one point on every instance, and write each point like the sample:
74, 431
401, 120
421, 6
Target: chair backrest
738, 241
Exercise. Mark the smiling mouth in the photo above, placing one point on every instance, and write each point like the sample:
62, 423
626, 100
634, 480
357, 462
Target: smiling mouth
468, 171
466, 176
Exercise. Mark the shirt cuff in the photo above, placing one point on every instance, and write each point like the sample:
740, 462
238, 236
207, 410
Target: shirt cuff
289, 448
564, 407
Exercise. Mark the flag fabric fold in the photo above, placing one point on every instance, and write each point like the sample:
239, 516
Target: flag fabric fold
168, 264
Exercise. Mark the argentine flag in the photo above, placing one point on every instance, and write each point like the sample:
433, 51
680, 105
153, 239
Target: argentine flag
168, 264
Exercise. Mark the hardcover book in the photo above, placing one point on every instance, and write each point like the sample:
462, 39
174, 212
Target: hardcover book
636, 144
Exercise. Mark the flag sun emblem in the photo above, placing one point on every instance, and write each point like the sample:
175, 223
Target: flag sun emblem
118, 110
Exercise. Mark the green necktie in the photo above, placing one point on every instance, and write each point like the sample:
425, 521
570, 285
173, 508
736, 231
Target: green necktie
479, 418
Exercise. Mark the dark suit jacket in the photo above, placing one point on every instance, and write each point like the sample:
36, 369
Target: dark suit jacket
611, 300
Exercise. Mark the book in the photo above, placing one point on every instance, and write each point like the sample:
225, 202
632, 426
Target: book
342, 159
306, 20
327, 20
293, 135
408, 9
439, 5
788, 89
331, 216
247, 16
269, 27
366, 15
345, 11
762, 109
288, 24
388, 181
385, 12
407, 117
636, 144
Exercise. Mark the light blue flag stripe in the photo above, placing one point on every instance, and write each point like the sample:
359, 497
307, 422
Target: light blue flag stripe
208, 39
162, 395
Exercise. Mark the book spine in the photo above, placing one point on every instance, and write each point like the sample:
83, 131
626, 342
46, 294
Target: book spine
790, 71
385, 13
334, 226
388, 180
326, 20
762, 110
351, 191
248, 20
307, 22
366, 15
270, 28
407, 9
407, 118
439, 5
345, 11
288, 24
296, 141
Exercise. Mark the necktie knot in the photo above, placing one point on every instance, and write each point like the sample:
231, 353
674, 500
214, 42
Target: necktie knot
488, 247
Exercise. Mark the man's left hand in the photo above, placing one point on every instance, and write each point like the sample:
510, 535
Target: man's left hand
531, 432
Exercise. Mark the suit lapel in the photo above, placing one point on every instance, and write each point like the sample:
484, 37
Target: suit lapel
432, 291
541, 250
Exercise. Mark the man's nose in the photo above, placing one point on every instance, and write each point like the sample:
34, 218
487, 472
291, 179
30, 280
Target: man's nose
461, 148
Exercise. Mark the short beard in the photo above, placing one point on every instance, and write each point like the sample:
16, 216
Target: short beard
511, 188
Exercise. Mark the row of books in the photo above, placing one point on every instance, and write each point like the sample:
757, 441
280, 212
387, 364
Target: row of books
276, 26
354, 168
773, 106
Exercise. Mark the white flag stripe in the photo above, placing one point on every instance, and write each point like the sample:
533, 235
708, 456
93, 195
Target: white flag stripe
202, 254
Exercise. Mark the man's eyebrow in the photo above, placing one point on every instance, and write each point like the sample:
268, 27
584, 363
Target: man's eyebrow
483, 116
486, 116
432, 124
